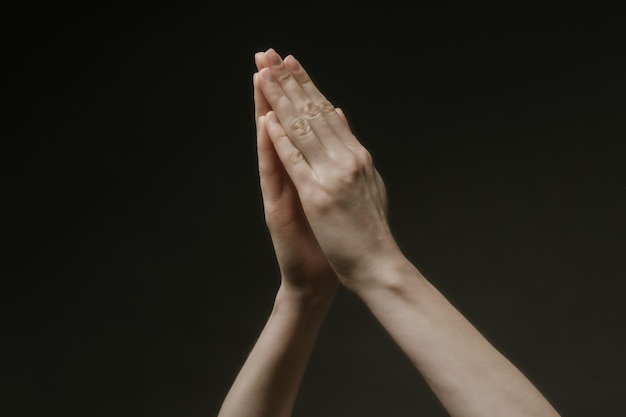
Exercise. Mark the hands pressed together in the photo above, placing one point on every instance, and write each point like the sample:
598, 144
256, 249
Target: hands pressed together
325, 207
325, 202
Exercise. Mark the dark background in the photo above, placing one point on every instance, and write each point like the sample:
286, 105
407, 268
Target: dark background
137, 269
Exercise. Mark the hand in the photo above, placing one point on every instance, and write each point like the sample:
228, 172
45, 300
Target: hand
305, 271
341, 192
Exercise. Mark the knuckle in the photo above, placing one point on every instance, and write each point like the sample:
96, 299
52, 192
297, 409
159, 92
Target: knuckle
295, 156
283, 75
319, 200
274, 96
349, 177
326, 106
347, 172
364, 156
302, 77
301, 127
351, 167
310, 110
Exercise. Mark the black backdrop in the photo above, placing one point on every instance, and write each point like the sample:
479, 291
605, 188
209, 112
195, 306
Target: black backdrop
138, 271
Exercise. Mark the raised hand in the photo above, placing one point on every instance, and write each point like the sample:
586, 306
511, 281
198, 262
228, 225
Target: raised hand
340, 190
326, 209
304, 268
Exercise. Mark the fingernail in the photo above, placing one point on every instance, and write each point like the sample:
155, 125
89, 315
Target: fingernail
291, 62
267, 74
257, 59
273, 57
272, 117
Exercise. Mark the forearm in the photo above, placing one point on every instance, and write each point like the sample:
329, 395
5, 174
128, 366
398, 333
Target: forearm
468, 375
269, 379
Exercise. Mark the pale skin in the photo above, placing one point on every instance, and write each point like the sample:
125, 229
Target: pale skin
326, 210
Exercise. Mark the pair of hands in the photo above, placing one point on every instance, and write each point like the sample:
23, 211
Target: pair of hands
325, 203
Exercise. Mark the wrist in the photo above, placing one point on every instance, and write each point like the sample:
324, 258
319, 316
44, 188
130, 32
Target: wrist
300, 299
392, 273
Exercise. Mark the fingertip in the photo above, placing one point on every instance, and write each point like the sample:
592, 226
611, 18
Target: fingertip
260, 128
341, 114
262, 124
271, 117
267, 74
259, 60
291, 62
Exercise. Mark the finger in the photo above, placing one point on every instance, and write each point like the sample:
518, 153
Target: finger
269, 165
259, 60
341, 114
290, 156
283, 210
336, 119
310, 109
261, 106
339, 124
297, 128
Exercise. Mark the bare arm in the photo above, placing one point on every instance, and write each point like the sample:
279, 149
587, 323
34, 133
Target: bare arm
344, 201
267, 383
468, 375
